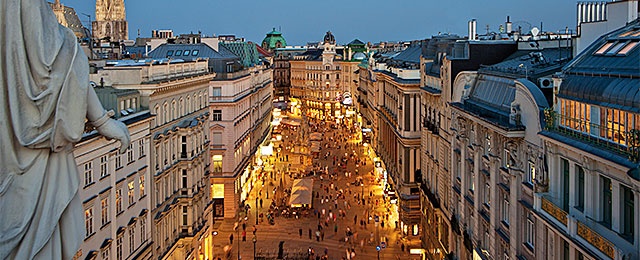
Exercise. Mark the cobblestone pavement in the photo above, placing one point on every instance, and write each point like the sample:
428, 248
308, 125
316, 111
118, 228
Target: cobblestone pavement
364, 238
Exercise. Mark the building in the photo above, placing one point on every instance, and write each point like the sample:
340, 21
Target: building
240, 104
176, 94
115, 187
68, 17
111, 21
220, 59
588, 195
322, 79
496, 152
282, 73
273, 41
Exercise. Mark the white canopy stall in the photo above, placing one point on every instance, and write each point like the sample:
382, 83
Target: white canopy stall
301, 193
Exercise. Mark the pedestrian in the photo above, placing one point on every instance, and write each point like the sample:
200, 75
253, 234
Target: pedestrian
335, 228
260, 202
355, 219
231, 239
244, 236
322, 235
402, 247
300, 232
382, 224
244, 226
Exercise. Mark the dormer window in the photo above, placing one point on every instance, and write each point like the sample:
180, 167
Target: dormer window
616, 48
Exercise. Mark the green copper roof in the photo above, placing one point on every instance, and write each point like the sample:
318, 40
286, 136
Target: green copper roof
272, 39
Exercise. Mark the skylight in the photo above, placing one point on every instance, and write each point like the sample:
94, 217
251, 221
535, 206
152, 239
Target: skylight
616, 48
604, 48
187, 52
178, 52
628, 48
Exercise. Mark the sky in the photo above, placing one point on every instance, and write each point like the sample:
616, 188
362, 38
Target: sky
307, 21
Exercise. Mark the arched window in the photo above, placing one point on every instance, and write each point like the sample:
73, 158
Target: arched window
165, 113
181, 107
187, 107
156, 111
174, 112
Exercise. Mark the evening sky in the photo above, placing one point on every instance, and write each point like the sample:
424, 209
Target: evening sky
307, 21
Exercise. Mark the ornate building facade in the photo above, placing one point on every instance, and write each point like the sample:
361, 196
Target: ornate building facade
111, 21
323, 78
176, 95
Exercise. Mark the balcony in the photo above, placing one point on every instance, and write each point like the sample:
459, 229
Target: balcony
605, 246
555, 211
431, 126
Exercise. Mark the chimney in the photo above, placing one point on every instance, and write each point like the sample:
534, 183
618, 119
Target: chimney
509, 25
472, 30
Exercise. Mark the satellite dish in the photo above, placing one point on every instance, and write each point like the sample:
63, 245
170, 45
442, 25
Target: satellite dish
535, 31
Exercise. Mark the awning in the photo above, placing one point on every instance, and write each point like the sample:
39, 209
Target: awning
301, 193
315, 136
288, 121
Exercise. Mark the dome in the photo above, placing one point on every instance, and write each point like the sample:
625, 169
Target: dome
359, 56
328, 38
274, 40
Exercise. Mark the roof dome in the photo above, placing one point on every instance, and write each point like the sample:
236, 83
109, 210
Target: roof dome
328, 38
274, 40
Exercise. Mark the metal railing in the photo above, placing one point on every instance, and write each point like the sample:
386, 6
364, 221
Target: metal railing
610, 137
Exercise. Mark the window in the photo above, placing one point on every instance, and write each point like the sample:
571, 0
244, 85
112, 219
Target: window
184, 179
604, 48
505, 160
505, 209
327, 77
217, 163
529, 231
606, 201
195, 52
216, 92
105, 252
579, 188
88, 222
104, 211
185, 215
130, 154
627, 212
130, 193
487, 194
141, 148
118, 200
217, 115
143, 229
627, 48
337, 76
183, 151
132, 238
169, 53
118, 161
88, 173
104, 162
613, 50
141, 182
119, 248
531, 173
186, 53
217, 139
178, 52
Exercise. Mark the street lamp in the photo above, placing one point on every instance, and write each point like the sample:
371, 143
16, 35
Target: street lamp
254, 246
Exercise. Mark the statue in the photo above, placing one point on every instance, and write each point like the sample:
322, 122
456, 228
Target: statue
45, 99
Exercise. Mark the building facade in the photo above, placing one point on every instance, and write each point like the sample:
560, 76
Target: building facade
322, 79
115, 187
588, 195
176, 94
240, 106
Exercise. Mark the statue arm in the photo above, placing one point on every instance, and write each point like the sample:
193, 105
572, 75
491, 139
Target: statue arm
104, 124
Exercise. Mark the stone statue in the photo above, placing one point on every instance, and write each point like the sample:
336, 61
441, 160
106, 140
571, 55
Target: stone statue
45, 100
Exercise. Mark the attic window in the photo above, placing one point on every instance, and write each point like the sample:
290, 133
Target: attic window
628, 48
604, 48
195, 52
616, 48
169, 53
187, 52
178, 52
